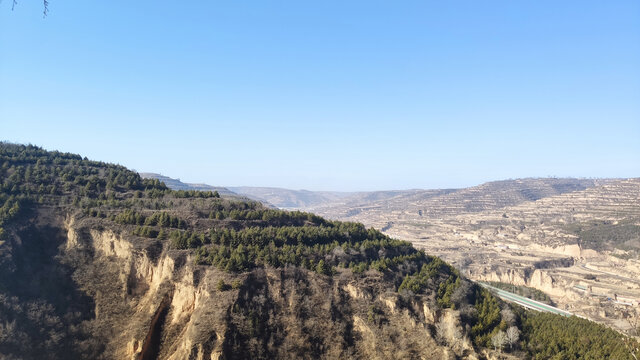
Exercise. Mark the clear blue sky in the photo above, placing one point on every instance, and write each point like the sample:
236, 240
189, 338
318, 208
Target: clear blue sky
329, 95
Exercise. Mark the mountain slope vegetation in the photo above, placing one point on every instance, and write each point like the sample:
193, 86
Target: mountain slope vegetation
98, 263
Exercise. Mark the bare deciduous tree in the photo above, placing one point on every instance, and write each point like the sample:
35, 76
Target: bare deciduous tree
513, 335
441, 331
508, 316
460, 294
447, 332
499, 340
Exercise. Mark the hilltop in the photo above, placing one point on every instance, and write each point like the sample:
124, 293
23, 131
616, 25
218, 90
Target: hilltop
98, 263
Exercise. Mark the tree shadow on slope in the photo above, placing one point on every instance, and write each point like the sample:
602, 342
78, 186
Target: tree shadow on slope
41, 309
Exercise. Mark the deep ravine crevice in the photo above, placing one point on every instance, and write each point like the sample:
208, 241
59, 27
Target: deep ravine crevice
151, 344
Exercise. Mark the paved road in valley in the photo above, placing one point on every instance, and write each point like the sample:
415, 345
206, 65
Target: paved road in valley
620, 277
526, 302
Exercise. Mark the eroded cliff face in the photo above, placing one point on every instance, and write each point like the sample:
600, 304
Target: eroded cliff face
535, 278
149, 302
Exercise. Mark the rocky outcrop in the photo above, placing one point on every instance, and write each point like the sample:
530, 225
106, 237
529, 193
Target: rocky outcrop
535, 278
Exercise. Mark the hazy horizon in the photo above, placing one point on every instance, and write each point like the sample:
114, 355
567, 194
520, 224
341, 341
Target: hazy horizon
333, 96
374, 190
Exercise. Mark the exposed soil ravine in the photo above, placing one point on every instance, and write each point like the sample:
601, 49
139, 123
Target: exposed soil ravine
151, 343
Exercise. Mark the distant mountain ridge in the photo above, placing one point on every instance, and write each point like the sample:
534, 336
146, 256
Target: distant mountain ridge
447, 202
278, 197
176, 184
426, 202
291, 199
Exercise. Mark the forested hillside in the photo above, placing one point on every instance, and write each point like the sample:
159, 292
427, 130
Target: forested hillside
96, 262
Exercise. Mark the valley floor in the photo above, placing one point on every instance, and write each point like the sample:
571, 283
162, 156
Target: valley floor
533, 243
